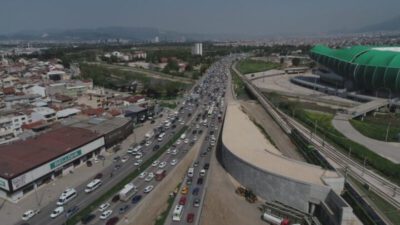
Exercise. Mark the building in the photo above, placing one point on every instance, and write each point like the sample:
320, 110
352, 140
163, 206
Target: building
364, 68
43, 113
49, 155
57, 75
11, 126
114, 130
197, 49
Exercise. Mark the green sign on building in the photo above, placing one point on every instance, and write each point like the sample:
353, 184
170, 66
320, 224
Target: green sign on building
66, 158
3, 184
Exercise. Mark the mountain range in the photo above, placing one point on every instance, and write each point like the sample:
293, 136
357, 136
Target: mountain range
145, 34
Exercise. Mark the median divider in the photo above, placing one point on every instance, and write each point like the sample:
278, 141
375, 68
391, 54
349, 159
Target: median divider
114, 190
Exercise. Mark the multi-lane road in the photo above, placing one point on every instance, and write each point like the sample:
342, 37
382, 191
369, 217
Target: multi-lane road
188, 203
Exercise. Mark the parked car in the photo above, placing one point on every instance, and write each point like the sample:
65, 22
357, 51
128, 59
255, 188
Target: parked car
200, 181
206, 166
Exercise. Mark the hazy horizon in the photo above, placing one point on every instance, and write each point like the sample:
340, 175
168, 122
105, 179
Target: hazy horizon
256, 17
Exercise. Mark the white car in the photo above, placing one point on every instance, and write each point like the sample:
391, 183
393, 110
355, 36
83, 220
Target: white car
155, 163
175, 151
148, 189
186, 140
162, 164
104, 206
148, 143
169, 151
173, 162
57, 211
106, 214
143, 175
29, 214
183, 122
125, 158
195, 138
138, 156
178, 142
149, 177
138, 162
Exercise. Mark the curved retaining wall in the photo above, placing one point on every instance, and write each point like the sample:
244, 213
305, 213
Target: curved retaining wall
270, 186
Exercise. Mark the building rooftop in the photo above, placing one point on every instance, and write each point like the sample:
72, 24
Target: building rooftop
102, 125
22, 156
246, 141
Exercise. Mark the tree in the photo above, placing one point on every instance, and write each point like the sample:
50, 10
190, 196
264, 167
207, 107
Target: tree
295, 61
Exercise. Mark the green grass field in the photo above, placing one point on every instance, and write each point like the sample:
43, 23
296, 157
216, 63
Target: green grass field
377, 128
253, 66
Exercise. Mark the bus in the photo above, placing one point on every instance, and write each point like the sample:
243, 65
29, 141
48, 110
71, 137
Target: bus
127, 192
93, 185
177, 214
67, 196
161, 136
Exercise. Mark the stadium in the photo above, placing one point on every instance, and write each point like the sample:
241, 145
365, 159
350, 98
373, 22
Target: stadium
369, 69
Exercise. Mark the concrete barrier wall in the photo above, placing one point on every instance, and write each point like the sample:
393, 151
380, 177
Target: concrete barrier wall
270, 186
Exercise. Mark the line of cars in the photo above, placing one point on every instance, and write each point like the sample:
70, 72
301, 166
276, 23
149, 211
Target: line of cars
189, 200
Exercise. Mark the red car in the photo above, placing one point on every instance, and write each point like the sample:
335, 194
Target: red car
190, 218
182, 201
112, 221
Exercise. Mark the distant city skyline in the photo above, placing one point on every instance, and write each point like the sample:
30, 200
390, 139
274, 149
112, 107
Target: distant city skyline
255, 17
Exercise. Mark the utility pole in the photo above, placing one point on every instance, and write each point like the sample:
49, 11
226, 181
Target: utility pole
387, 132
363, 170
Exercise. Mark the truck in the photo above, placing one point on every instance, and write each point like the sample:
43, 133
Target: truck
274, 220
149, 134
160, 174
127, 192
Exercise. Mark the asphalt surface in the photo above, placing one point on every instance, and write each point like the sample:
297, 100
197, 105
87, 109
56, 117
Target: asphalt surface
111, 175
215, 86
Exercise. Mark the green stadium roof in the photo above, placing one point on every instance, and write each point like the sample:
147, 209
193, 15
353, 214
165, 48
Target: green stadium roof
370, 67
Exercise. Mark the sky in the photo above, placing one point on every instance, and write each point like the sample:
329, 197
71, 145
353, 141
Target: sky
250, 17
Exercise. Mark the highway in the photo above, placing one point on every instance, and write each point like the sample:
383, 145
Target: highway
196, 184
380, 185
112, 175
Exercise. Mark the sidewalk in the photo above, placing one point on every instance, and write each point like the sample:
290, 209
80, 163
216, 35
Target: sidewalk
10, 213
388, 150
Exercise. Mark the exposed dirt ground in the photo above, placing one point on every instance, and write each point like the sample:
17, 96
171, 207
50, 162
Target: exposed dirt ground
282, 141
222, 206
